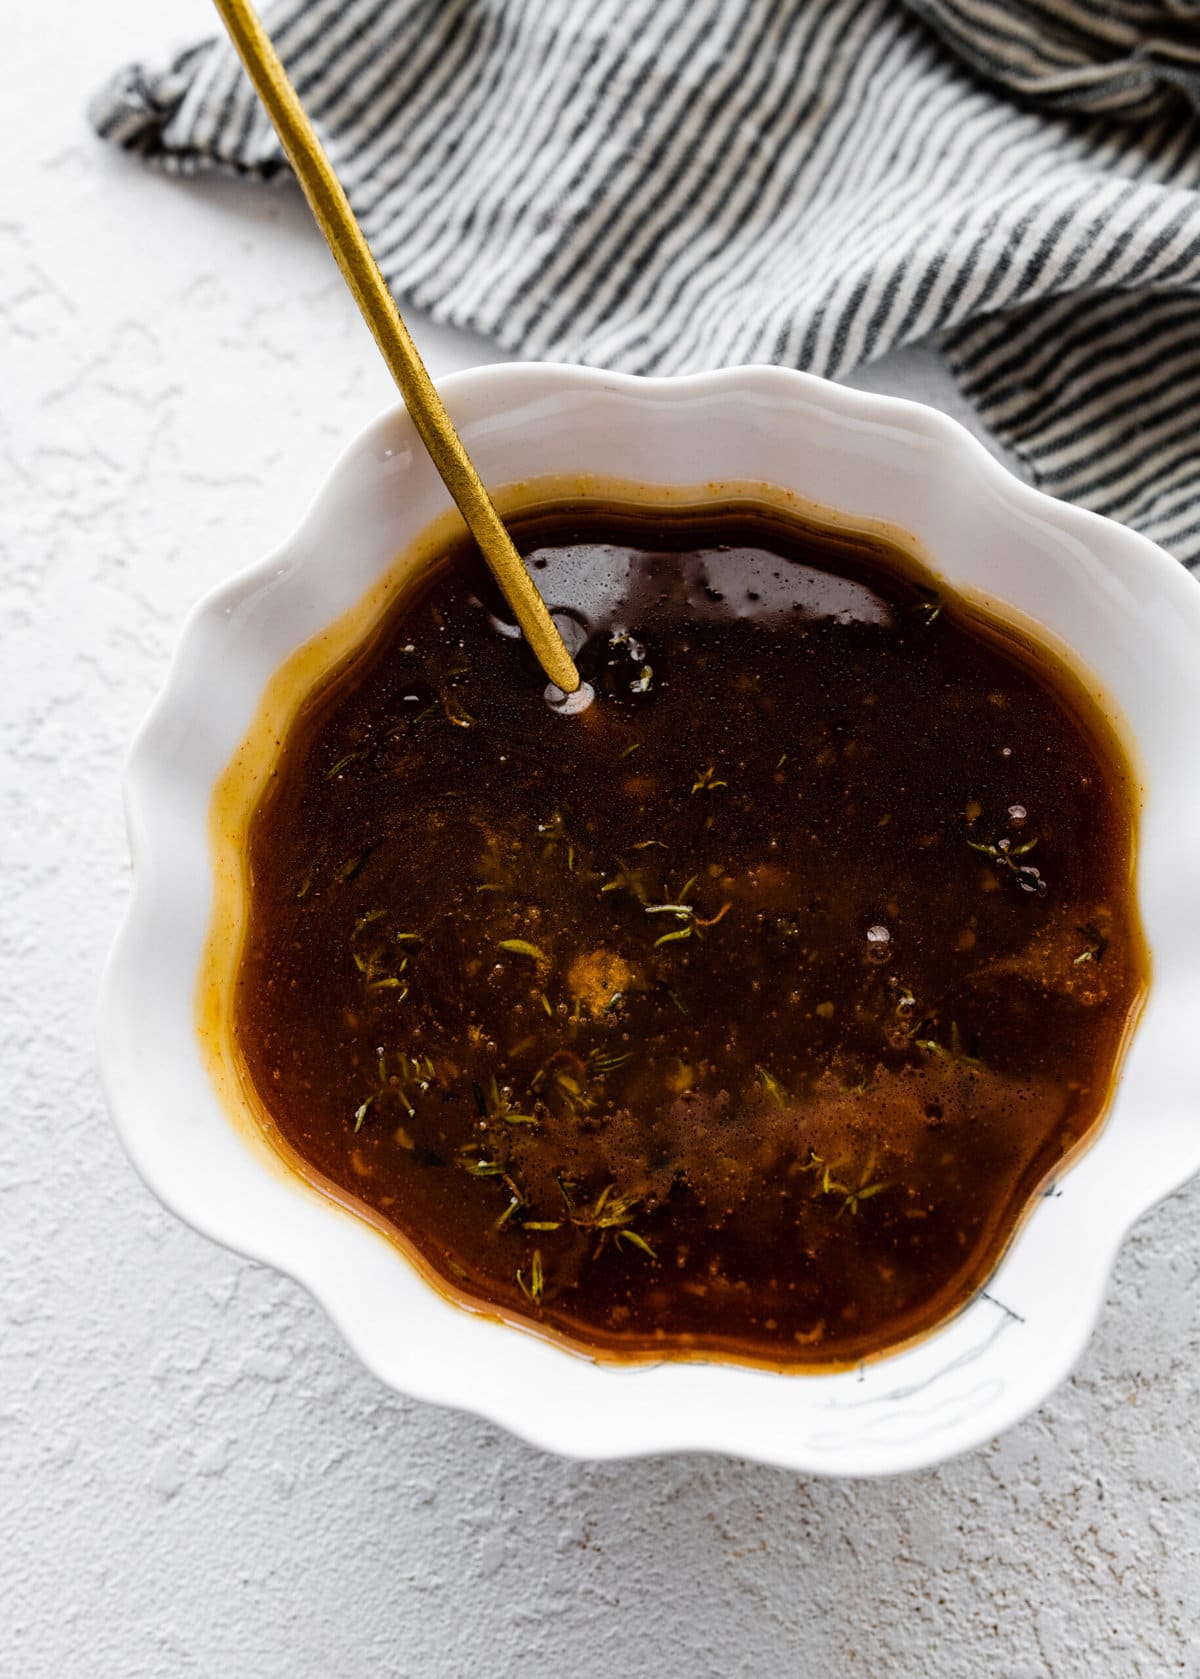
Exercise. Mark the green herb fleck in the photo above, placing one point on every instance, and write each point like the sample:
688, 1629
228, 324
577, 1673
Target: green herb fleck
350, 870
1096, 946
343, 763
637, 1241
522, 947
599, 1063
853, 1197
953, 1053
495, 1103
1005, 854
533, 1289
930, 605
455, 710
608, 1212
627, 880
554, 834
478, 1167
772, 1087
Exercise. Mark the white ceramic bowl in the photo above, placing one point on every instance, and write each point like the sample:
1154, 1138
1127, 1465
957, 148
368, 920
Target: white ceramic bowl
1133, 618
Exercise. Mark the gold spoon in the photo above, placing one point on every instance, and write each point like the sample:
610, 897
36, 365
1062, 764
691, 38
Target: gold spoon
337, 222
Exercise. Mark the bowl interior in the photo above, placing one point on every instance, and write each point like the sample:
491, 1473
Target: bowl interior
1128, 613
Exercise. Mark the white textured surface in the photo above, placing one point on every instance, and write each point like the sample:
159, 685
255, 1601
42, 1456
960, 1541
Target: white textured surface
195, 1477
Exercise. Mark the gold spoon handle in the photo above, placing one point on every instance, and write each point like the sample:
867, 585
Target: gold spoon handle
345, 238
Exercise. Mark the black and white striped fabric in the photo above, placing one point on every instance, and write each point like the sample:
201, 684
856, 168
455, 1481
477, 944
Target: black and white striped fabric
666, 185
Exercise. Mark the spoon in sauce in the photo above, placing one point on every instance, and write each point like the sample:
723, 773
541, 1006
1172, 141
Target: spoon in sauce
345, 238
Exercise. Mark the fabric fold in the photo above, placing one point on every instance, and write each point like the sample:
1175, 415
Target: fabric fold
666, 185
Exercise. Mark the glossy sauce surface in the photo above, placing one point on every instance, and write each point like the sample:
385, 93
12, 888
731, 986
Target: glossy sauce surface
741, 1013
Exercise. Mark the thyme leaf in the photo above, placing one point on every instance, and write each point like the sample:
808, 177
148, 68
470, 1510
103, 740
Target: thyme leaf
599, 1063
354, 867
954, 1053
534, 1288
1005, 854
1096, 946
637, 1241
772, 1087
522, 947
930, 606
482, 1168
343, 763
456, 712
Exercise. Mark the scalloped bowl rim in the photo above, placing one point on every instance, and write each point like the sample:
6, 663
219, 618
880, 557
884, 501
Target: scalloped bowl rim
973, 1376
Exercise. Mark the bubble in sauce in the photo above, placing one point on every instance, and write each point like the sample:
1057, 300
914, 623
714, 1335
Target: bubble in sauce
879, 942
569, 705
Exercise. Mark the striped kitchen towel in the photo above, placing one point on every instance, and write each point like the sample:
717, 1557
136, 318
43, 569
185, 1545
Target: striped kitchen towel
666, 185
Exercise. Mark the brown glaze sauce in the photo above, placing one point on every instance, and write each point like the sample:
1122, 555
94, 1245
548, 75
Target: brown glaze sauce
742, 1013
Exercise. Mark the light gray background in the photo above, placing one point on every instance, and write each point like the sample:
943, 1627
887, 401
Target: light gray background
195, 1475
